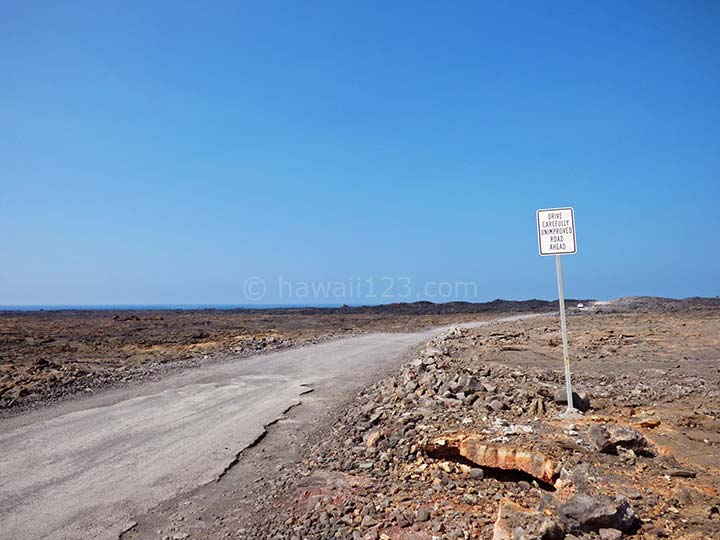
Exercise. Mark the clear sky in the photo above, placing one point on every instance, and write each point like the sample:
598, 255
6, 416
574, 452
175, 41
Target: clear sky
166, 152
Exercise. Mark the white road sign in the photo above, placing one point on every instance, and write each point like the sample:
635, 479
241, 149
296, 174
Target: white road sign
556, 231
556, 236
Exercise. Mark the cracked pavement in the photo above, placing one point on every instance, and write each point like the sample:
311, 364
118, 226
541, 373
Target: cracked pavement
86, 468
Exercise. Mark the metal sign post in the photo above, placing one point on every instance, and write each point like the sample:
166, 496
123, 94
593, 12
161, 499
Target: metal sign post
556, 236
563, 327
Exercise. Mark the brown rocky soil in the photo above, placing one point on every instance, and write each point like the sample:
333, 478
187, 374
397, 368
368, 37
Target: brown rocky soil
46, 355
466, 441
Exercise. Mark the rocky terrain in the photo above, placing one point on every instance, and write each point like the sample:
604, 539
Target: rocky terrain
467, 441
48, 355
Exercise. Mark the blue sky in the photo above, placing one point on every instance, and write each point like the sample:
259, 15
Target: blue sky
166, 152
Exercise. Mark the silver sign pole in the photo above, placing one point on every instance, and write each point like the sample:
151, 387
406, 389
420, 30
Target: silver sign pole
563, 325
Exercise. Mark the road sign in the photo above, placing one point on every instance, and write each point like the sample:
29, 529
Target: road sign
556, 231
556, 236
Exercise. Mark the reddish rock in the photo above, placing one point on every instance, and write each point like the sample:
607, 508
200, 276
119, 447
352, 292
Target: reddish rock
508, 458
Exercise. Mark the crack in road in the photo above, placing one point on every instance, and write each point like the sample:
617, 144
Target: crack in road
88, 471
260, 437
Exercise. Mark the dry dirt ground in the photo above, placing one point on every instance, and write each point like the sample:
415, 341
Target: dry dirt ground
465, 441
46, 355
49, 355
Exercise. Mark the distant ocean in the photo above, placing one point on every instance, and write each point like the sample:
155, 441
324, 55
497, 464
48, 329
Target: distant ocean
146, 307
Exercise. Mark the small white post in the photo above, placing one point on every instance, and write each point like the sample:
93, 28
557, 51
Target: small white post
563, 325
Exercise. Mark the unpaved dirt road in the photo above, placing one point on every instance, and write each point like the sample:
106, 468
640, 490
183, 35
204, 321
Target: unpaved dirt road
86, 468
